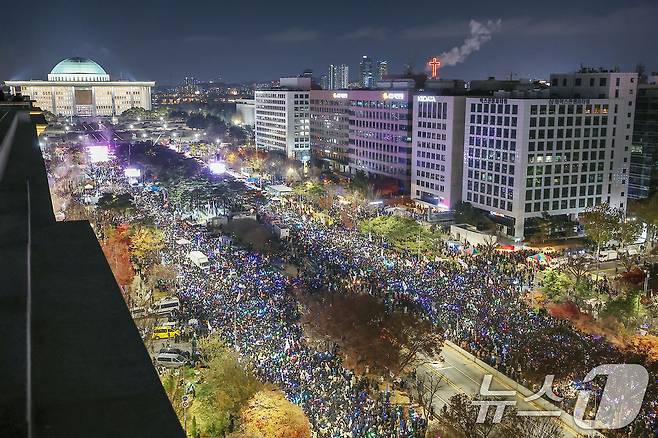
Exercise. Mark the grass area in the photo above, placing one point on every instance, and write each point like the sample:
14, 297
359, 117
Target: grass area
403, 233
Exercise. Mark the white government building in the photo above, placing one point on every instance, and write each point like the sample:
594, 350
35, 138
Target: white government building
81, 87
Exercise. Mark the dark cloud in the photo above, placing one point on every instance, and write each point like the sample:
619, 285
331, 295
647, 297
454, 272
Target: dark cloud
166, 40
203, 38
293, 35
369, 32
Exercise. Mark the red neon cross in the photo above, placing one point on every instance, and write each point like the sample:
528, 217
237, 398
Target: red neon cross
434, 65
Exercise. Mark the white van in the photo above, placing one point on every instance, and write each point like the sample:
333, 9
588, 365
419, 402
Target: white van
199, 259
606, 256
138, 312
166, 305
170, 360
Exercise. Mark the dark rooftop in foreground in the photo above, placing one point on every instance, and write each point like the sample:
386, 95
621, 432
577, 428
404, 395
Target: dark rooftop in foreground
73, 363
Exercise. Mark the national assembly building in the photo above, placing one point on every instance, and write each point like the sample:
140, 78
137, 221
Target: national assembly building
80, 87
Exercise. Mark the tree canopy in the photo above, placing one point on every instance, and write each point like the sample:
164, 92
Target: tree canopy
269, 415
402, 233
369, 335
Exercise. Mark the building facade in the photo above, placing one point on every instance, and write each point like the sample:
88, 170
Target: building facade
245, 111
380, 134
80, 87
339, 77
620, 89
644, 151
382, 70
437, 150
525, 157
330, 113
366, 74
282, 118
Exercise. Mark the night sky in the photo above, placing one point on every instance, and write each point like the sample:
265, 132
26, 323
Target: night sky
262, 40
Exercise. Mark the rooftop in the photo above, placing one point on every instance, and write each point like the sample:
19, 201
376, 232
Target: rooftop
73, 362
78, 66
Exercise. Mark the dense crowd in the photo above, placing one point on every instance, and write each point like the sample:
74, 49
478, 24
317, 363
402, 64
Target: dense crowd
251, 304
475, 299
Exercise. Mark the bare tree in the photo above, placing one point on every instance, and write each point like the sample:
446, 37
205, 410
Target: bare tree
369, 334
534, 427
627, 261
426, 390
460, 414
578, 267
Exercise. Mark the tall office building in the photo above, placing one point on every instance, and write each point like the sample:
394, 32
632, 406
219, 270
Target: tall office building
282, 117
190, 85
80, 87
560, 154
644, 151
366, 73
330, 128
380, 134
437, 150
324, 82
339, 77
382, 70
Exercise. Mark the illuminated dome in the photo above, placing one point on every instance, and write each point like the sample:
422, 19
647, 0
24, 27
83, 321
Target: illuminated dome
78, 70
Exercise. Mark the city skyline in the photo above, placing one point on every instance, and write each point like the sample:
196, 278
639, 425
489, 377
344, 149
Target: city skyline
284, 43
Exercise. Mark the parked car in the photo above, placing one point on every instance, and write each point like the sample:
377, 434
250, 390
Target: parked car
173, 350
170, 360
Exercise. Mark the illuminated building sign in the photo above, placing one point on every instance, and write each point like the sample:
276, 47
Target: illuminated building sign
569, 101
340, 95
492, 100
434, 65
426, 98
393, 96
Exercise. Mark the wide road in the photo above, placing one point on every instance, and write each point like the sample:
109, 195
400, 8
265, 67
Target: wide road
461, 375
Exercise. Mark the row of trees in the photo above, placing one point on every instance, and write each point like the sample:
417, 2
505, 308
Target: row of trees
604, 224
230, 401
458, 418
131, 248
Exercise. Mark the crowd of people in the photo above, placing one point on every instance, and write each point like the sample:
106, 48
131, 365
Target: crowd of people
475, 299
250, 302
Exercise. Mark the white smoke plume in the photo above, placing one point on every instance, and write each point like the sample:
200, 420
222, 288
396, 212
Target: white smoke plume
480, 34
